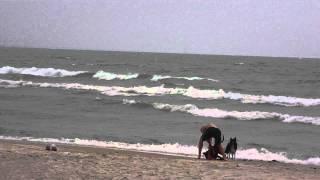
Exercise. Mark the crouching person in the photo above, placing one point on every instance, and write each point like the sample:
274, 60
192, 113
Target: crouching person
208, 132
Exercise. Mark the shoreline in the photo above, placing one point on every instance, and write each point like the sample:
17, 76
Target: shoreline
30, 160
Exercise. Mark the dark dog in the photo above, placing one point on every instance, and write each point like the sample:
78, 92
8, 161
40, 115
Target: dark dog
231, 148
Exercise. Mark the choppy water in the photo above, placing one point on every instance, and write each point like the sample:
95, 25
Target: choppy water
157, 102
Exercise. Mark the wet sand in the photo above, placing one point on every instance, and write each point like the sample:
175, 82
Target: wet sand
28, 160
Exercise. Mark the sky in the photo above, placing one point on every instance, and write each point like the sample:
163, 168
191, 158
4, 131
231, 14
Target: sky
278, 28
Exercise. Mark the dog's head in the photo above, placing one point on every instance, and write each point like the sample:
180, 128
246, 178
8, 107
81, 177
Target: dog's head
233, 140
233, 143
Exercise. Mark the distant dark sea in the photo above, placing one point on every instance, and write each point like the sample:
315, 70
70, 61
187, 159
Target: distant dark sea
157, 102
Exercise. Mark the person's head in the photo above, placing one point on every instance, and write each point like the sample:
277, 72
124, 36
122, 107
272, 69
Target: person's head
205, 127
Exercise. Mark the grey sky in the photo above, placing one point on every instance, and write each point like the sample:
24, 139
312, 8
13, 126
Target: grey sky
237, 27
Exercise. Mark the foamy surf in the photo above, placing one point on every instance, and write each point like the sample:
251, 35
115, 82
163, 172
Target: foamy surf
272, 99
239, 115
160, 77
109, 91
174, 149
189, 92
44, 72
111, 76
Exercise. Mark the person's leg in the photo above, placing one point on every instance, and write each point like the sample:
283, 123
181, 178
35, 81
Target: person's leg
218, 144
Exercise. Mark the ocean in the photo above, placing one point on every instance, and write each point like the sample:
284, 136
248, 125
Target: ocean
156, 102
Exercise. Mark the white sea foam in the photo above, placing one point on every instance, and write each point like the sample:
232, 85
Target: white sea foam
160, 77
271, 99
247, 98
106, 90
127, 101
45, 72
189, 108
239, 115
221, 94
111, 76
174, 149
265, 155
190, 92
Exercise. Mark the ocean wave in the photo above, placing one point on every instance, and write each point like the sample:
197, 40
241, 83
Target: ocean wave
239, 115
221, 94
106, 90
266, 155
272, 99
174, 149
160, 77
44, 72
189, 108
111, 76
189, 92
246, 98
137, 103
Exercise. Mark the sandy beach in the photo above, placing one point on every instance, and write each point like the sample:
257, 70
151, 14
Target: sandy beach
28, 160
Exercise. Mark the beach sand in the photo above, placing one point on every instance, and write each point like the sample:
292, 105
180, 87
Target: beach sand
28, 160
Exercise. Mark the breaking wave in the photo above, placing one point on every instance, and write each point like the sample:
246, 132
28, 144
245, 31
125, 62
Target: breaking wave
189, 92
174, 149
44, 72
160, 77
106, 90
272, 99
111, 76
239, 115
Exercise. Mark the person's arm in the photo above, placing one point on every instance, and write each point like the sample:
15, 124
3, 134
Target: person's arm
209, 142
200, 144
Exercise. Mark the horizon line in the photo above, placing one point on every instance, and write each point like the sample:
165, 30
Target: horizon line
160, 52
